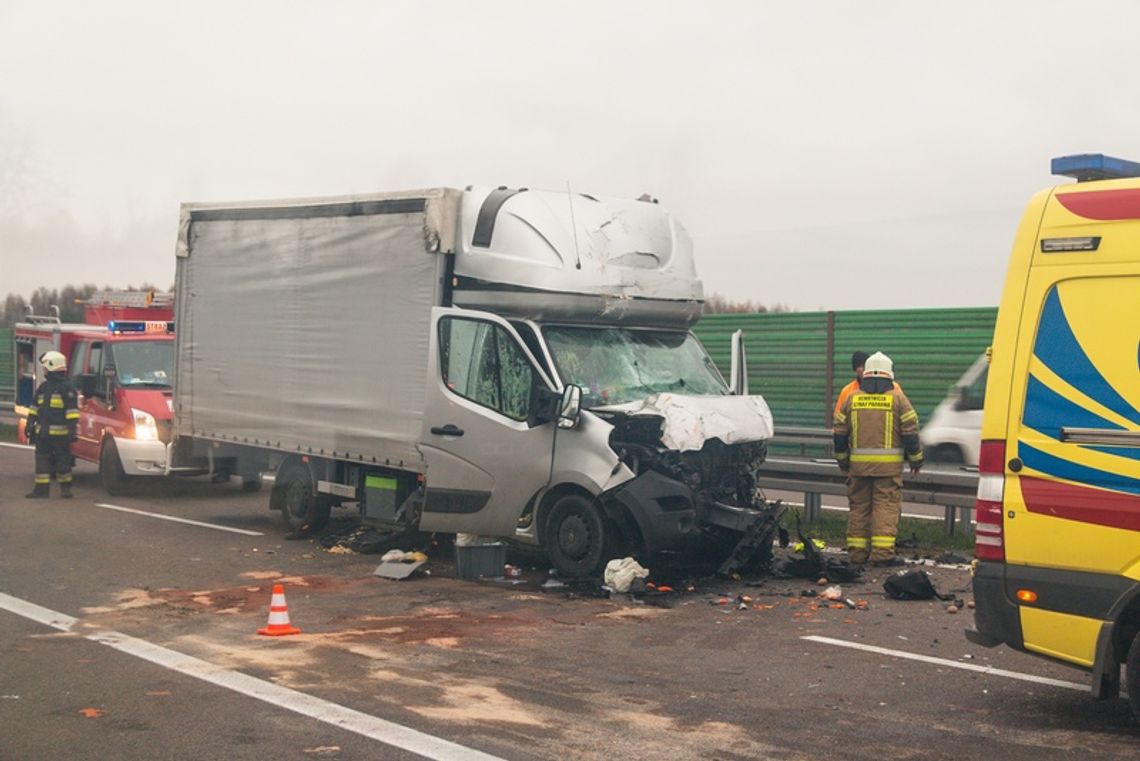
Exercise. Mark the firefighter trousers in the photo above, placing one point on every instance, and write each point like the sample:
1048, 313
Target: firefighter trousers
873, 520
53, 458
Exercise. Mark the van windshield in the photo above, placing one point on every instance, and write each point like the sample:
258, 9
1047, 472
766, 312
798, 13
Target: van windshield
619, 365
143, 364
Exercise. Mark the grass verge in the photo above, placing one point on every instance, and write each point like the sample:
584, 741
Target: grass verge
930, 536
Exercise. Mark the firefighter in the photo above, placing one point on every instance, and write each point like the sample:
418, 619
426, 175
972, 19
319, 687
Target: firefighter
874, 431
52, 421
857, 360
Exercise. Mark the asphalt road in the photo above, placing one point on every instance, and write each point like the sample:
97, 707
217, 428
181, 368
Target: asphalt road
127, 636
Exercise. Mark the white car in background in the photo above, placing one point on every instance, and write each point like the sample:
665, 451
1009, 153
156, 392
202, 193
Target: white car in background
953, 433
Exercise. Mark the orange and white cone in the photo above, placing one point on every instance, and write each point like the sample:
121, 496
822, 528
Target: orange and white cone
278, 624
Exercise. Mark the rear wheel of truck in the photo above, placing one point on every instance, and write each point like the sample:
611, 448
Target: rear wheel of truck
1132, 676
250, 484
295, 494
111, 473
577, 537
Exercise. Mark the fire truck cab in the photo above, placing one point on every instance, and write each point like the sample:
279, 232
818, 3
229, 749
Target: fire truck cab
121, 361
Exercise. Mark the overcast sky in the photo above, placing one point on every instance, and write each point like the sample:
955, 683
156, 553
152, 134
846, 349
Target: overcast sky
824, 155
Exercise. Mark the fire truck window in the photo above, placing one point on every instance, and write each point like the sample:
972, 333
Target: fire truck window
95, 361
75, 366
26, 367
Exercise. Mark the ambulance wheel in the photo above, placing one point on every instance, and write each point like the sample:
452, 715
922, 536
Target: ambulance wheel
577, 537
296, 495
1132, 675
111, 473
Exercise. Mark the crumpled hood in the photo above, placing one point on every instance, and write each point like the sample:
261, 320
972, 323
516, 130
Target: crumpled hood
690, 421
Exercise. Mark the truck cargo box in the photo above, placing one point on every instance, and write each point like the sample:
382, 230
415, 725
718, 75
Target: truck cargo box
293, 321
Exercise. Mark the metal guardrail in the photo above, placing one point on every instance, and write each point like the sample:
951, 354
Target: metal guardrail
952, 487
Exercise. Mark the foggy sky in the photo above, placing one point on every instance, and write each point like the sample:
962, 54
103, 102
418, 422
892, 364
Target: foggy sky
824, 155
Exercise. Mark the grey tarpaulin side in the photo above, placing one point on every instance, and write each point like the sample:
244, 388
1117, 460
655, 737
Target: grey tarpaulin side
304, 324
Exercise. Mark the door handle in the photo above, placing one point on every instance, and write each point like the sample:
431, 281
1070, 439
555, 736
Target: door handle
447, 430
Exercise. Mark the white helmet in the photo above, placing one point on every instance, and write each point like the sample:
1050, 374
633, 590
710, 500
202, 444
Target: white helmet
53, 362
879, 365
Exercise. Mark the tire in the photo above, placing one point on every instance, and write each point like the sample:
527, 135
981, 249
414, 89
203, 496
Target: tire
115, 480
947, 453
577, 537
295, 495
251, 485
1132, 676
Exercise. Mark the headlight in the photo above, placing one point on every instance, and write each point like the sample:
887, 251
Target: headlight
145, 427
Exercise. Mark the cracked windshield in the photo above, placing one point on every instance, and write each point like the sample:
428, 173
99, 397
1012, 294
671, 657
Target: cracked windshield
618, 365
144, 363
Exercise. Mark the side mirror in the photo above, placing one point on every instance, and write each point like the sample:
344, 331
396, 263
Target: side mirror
738, 383
107, 383
570, 408
87, 384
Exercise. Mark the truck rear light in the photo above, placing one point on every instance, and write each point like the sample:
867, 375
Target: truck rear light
988, 509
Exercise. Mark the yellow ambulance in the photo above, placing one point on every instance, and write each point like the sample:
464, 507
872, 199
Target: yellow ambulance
1058, 508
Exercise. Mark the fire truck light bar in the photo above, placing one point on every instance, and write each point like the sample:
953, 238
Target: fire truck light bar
118, 327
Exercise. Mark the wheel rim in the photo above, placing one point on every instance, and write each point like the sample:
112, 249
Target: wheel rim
574, 537
297, 499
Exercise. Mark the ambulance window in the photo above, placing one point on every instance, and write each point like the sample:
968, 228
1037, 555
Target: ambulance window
75, 365
480, 361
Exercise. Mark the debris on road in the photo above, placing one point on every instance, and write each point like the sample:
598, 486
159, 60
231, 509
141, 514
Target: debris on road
914, 584
621, 573
399, 564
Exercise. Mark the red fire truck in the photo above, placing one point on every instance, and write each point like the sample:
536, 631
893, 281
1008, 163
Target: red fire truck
121, 360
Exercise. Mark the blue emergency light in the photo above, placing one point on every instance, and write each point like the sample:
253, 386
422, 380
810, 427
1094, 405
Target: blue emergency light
1094, 166
119, 327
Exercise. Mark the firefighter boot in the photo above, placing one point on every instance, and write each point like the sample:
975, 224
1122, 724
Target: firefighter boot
65, 489
39, 491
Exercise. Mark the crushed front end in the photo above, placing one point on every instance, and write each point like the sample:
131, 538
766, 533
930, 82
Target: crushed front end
698, 502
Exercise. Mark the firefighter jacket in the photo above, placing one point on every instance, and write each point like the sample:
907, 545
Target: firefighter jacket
874, 432
55, 410
847, 391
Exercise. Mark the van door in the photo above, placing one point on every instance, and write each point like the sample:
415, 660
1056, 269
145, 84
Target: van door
485, 457
1072, 495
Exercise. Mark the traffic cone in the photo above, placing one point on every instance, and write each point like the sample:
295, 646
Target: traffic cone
278, 624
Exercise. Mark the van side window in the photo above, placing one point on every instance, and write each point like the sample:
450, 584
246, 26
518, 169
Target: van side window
480, 361
974, 395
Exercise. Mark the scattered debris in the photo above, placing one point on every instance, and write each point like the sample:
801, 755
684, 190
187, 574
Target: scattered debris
91, 713
952, 558
912, 585
621, 573
370, 541
834, 592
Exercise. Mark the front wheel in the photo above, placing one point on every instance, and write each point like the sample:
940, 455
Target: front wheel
111, 473
577, 537
1132, 676
295, 494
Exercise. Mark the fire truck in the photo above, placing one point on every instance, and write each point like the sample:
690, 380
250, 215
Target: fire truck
121, 361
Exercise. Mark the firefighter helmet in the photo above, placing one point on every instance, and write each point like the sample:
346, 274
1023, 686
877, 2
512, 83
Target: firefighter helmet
879, 365
53, 362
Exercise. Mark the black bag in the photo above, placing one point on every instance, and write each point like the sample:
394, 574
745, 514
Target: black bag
912, 585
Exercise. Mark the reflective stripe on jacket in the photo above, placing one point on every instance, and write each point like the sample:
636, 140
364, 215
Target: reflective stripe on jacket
880, 430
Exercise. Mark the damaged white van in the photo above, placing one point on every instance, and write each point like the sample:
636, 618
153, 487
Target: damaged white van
492, 361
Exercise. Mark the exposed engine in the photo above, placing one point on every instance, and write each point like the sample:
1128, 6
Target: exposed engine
717, 473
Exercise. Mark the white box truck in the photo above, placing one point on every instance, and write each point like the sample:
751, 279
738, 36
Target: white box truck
494, 361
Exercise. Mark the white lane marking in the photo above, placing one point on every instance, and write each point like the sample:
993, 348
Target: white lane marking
945, 662
16, 446
178, 520
372, 727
